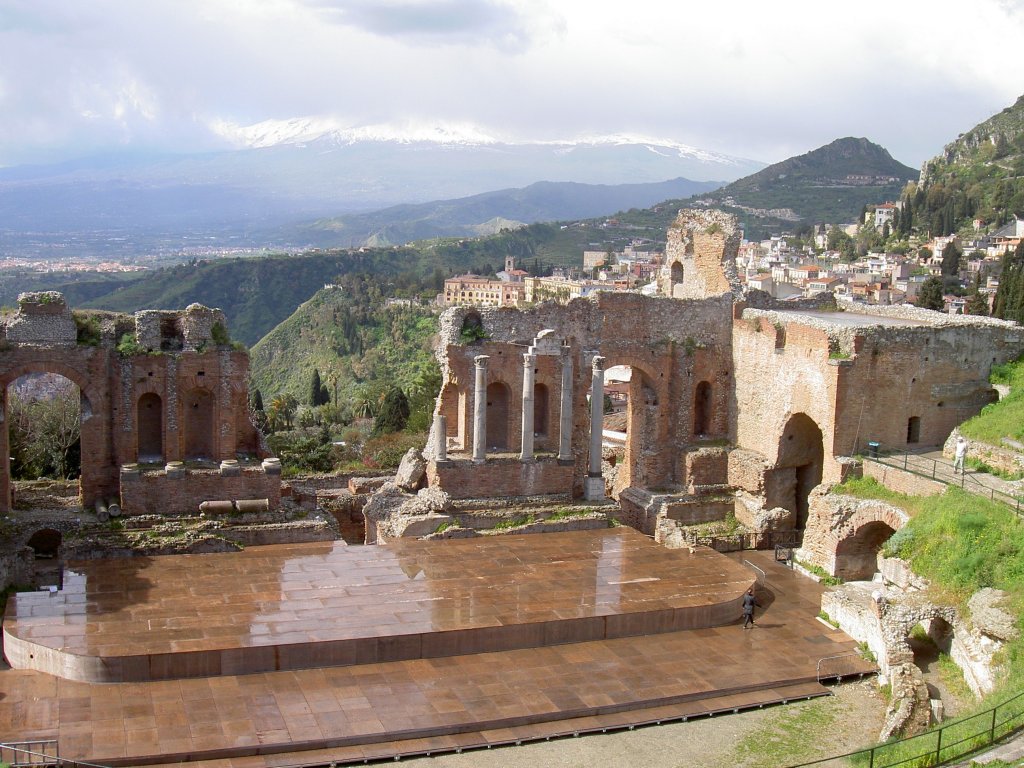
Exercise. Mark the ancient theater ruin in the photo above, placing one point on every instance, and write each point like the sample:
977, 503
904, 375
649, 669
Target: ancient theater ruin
735, 404
621, 427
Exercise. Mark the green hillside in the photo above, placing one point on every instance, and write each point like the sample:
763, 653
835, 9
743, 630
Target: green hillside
830, 184
979, 175
356, 343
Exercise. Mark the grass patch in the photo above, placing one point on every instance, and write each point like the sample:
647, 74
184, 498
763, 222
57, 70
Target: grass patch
980, 466
828, 619
444, 526
566, 513
826, 578
514, 522
869, 488
789, 735
953, 678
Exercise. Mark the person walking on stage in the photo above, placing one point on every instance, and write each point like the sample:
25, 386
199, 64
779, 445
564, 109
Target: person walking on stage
749, 601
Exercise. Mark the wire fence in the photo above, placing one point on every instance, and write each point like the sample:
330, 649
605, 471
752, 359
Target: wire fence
940, 471
950, 741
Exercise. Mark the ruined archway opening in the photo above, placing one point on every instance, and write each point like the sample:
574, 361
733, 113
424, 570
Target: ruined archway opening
857, 555
676, 273
931, 642
150, 428
199, 425
498, 414
628, 444
800, 465
45, 543
43, 414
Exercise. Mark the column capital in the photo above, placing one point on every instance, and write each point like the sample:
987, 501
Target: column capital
529, 359
481, 361
597, 363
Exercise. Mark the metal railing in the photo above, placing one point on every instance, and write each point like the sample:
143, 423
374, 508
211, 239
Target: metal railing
738, 542
940, 471
950, 741
835, 675
36, 754
762, 577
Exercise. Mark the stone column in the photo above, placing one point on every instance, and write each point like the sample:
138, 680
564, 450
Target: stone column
480, 410
565, 408
594, 487
529, 361
441, 439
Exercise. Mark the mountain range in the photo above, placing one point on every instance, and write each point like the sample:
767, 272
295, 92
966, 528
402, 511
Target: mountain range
296, 173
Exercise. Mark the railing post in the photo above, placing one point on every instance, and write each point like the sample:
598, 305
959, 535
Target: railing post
992, 730
938, 747
871, 764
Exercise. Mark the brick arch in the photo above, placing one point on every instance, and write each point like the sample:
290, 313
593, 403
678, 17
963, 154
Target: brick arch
645, 421
800, 462
898, 619
854, 542
94, 481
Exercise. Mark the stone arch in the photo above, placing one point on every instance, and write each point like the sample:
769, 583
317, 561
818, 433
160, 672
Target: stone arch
541, 425
799, 466
702, 415
645, 421
45, 542
856, 556
899, 619
94, 481
676, 273
499, 398
199, 405
150, 428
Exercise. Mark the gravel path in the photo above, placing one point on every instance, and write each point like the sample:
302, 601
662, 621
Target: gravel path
768, 738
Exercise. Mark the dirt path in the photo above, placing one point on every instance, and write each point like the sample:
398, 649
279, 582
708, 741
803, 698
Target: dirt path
764, 738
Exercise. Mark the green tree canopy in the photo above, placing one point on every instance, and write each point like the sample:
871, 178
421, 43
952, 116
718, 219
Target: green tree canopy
394, 413
931, 296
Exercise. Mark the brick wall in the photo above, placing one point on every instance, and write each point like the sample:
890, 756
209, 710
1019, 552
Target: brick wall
500, 477
901, 481
154, 492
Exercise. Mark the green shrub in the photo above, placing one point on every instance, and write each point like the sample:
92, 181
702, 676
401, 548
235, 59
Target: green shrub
87, 329
128, 346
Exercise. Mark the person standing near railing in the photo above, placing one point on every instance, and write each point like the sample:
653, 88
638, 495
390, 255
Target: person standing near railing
959, 454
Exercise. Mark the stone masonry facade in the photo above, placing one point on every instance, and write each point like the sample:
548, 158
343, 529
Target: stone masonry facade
157, 388
785, 393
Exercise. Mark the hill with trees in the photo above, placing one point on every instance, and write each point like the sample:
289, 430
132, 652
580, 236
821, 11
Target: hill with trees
980, 175
829, 184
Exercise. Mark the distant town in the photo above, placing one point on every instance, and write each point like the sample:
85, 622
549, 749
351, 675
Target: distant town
782, 269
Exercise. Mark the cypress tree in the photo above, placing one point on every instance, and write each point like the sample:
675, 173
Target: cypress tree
394, 413
257, 401
315, 386
931, 295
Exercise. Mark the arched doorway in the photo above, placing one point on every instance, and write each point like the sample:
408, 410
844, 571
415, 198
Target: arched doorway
914, 429
45, 542
857, 555
676, 272
702, 409
629, 440
198, 422
498, 396
150, 425
801, 459
43, 415
931, 642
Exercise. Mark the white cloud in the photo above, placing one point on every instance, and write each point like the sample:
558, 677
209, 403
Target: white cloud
755, 79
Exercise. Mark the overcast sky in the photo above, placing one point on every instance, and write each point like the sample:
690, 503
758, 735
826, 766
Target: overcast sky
763, 80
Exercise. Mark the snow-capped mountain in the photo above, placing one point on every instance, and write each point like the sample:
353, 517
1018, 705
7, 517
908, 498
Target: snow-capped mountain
304, 130
281, 171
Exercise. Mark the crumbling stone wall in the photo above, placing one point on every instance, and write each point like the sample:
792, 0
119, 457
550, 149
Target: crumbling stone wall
181, 491
672, 347
42, 338
844, 534
700, 255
